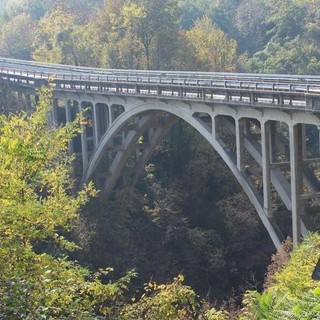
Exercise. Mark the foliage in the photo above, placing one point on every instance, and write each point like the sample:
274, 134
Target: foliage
250, 22
192, 216
37, 208
141, 34
172, 301
54, 41
16, 37
292, 294
214, 51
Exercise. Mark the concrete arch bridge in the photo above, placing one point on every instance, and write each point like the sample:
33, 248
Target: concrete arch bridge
261, 125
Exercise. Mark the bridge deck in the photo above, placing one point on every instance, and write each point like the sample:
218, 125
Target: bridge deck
259, 90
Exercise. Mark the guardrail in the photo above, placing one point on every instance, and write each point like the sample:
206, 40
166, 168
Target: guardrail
289, 90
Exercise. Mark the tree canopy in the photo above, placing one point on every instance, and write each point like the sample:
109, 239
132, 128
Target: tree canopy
187, 219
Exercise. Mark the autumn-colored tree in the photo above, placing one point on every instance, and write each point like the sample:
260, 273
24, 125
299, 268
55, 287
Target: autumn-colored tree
251, 25
37, 209
141, 34
16, 37
213, 50
292, 293
53, 39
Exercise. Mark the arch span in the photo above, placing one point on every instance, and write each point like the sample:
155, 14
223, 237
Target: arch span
146, 112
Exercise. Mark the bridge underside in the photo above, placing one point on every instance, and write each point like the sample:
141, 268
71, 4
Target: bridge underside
271, 152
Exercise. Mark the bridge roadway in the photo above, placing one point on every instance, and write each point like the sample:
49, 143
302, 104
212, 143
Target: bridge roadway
260, 124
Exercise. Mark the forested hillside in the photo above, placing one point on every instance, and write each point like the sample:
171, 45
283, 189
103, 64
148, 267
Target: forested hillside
211, 35
184, 239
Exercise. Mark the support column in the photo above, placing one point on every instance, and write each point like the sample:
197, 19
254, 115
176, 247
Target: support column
303, 141
303, 157
95, 125
274, 128
107, 119
214, 134
69, 119
54, 113
240, 142
247, 129
296, 167
68, 111
84, 145
266, 173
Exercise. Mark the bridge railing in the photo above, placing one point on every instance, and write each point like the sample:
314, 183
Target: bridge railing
30, 73
219, 81
142, 75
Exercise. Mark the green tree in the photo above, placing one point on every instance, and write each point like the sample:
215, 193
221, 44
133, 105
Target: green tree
37, 209
16, 37
173, 301
214, 51
141, 34
250, 23
53, 40
35, 8
292, 294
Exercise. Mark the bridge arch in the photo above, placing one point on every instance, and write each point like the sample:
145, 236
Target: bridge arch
194, 97
206, 131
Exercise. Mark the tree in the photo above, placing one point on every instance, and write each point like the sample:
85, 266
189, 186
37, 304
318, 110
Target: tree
251, 26
157, 30
214, 51
286, 18
37, 209
141, 34
292, 294
173, 301
53, 40
35, 8
16, 37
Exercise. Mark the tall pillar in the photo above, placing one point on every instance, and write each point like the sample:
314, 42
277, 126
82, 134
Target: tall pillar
67, 104
240, 142
69, 119
95, 125
296, 167
303, 141
84, 145
266, 172
274, 128
110, 115
54, 111
214, 127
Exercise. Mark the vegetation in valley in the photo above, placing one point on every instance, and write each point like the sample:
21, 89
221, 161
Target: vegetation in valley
184, 239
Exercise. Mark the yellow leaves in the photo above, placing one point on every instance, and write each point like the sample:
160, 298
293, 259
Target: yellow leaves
16, 36
164, 301
35, 176
132, 12
213, 49
52, 31
293, 294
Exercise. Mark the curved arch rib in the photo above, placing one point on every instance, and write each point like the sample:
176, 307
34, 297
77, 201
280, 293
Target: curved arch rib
247, 186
